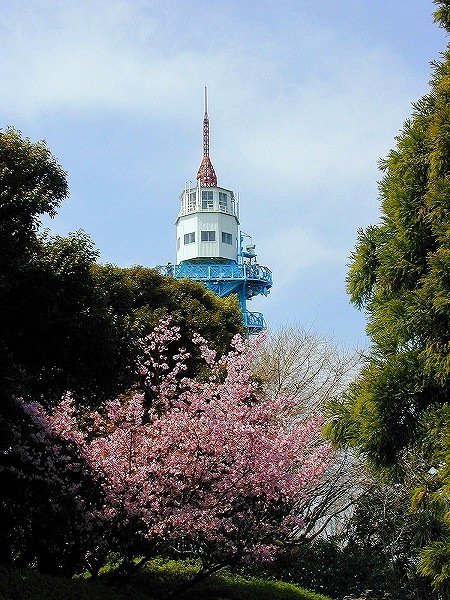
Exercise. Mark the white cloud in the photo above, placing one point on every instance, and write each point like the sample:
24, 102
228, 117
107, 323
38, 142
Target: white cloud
140, 56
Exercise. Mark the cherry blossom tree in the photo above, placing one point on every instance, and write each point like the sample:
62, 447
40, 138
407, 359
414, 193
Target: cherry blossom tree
208, 467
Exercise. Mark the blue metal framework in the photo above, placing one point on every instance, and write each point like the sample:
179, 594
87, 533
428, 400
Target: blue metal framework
225, 277
245, 279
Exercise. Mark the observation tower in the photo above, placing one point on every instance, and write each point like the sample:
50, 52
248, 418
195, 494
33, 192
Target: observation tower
210, 246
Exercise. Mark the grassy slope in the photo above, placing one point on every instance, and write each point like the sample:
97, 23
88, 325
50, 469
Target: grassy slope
159, 576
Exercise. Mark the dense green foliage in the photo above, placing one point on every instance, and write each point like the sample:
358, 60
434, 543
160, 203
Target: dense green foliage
400, 275
69, 324
157, 579
376, 549
136, 298
339, 571
32, 184
73, 324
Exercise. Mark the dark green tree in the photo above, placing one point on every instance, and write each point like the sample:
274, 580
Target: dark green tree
31, 184
138, 297
68, 324
400, 275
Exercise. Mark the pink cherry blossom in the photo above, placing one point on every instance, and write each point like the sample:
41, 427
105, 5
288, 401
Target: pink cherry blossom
211, 466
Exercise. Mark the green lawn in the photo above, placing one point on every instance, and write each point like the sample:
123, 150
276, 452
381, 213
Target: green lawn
158, 577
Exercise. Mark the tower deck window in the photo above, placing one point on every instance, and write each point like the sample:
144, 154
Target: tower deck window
227, 238
192, 201
223, 201
208, 236
207, 201
189, 238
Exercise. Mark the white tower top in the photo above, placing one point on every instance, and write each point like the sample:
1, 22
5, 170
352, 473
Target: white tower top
208, 221
207, 225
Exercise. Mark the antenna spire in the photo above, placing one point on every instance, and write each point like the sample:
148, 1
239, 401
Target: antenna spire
206, 175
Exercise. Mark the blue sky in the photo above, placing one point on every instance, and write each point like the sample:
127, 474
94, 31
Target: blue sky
305, 97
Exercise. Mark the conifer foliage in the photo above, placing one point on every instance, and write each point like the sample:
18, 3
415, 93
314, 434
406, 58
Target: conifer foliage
400, 275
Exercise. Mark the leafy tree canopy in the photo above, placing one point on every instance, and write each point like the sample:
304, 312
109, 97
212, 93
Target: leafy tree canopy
400, 274
442, 14
69, 323
31, 184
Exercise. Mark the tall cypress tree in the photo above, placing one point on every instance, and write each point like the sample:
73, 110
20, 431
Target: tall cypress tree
400, 275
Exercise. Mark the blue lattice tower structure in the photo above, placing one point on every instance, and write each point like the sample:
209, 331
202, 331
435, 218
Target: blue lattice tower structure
210, 245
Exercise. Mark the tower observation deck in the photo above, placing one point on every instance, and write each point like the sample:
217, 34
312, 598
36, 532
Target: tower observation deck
210, 245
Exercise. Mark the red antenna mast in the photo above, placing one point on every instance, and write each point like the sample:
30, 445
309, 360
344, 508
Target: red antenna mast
206, 175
